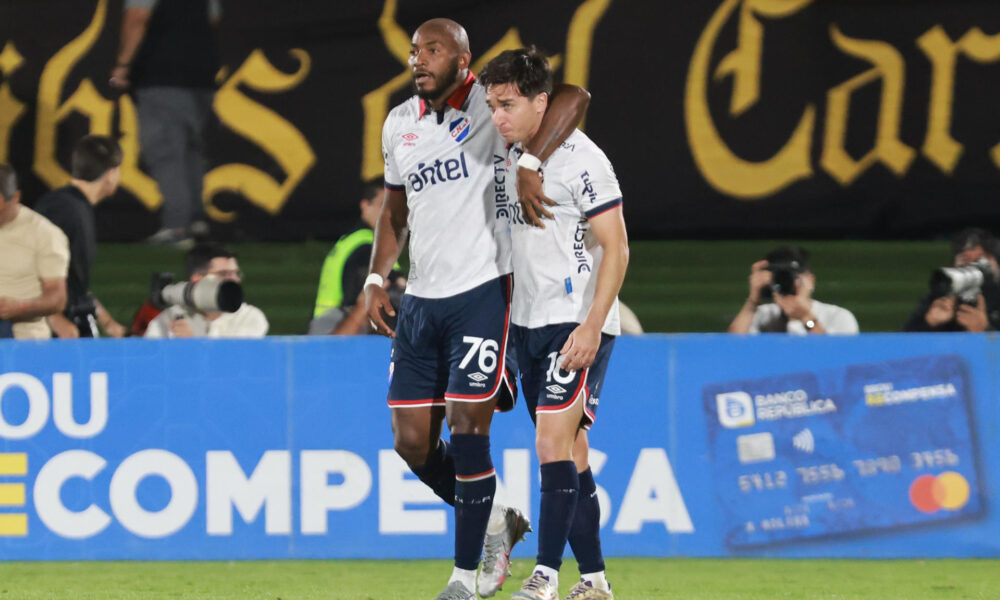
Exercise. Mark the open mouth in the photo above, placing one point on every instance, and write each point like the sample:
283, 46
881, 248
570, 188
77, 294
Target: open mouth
421, 77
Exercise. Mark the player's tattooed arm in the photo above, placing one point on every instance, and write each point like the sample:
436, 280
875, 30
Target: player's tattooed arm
567, 106
390, 237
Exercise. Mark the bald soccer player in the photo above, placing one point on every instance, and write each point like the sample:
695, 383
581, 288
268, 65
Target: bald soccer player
447, 191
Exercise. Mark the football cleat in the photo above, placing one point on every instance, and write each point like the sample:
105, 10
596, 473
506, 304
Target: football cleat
536, 587
456, 590
495, 566
583, 590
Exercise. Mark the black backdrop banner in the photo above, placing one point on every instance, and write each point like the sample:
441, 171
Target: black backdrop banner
744, 118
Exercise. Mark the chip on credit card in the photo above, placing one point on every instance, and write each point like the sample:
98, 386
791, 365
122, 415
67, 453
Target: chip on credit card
862, 448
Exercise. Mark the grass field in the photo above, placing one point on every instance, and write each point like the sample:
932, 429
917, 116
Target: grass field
633, 579
673, 286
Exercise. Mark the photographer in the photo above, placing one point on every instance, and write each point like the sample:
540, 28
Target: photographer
209, 260
96, 172
975, 307
784, 278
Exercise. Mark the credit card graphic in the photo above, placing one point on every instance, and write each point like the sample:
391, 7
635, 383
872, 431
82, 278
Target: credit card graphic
857, 449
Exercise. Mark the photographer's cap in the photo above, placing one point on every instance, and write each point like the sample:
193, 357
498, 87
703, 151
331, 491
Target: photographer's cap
795, 257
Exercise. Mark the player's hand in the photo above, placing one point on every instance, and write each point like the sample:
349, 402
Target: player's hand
9, 308
581, 347
973, 318
760, 278
377, 303
180, 328
531, 197
941, 311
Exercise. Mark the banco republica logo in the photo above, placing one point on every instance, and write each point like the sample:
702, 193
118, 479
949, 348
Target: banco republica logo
735, 409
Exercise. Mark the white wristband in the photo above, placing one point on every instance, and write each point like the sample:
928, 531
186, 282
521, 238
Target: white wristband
529, 161
374, 279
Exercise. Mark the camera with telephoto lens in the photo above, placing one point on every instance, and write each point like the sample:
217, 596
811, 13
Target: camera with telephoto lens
783, 276
964, 282
209, 294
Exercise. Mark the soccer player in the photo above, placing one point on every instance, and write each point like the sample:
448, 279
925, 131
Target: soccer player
445, 176
564, 318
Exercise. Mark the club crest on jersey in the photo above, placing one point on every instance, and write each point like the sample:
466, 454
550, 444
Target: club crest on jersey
460, 128
439, 171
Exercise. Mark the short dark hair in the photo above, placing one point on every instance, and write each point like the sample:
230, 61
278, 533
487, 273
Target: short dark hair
8, 182
200, 257
370, 189
95, 155
970, 237
526, 68
794, 256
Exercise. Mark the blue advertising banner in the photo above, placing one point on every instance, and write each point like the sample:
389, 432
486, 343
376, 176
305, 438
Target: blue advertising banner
705, 445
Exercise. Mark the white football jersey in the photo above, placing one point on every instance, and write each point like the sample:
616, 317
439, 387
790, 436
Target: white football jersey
452, 167
555, 269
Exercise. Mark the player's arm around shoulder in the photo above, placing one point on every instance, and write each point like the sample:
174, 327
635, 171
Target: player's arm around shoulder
390, 236
608, 228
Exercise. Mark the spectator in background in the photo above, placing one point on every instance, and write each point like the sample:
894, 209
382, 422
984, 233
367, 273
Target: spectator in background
340, 302
785, 279
34, 259
202, 261
96, 170
979, 313
167, 55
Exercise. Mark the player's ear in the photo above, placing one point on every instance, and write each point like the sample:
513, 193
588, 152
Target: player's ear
464, 60
541, 102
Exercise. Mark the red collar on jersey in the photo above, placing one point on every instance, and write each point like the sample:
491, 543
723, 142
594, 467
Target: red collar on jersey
457, 98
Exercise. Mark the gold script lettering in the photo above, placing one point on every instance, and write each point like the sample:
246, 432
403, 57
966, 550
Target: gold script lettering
887, 65
11, 109
723, 170
939, 146
265, 128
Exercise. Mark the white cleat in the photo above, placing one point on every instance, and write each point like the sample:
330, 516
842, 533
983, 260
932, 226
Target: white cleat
585, 591
536, 587
456, 590
495, 566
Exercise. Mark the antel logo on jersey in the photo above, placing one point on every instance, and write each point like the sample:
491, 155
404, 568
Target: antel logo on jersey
437, 172
735, 409
460, 128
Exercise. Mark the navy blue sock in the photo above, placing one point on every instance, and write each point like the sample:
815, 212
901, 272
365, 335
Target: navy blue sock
439, 473
475, 484
560, 488
585, 534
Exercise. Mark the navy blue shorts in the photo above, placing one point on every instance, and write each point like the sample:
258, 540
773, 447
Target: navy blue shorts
548, 388
453, 349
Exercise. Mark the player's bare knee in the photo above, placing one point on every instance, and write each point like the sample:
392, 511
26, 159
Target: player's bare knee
552, 448
470, 418
412, 446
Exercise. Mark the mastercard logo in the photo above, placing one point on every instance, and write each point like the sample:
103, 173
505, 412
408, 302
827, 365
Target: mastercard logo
931, 493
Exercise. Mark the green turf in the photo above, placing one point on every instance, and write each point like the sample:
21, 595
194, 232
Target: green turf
673, 286
633, 579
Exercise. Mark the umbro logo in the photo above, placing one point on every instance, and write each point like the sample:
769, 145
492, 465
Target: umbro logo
410, 136
556, 389
478, 376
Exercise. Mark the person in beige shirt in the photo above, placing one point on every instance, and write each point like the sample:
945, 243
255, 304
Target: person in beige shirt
34, 265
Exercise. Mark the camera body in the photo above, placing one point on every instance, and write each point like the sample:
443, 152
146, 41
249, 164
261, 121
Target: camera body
783, 280
209, 294
966, 283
